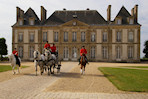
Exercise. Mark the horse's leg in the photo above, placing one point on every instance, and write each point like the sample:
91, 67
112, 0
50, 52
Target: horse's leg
13, 69
53, 68
50, 69
18, 68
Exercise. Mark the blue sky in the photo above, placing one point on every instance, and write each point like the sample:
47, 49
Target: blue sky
8, 12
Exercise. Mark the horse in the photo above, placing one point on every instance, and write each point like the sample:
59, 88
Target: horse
83, 64
50, 61
12, 59
38, 61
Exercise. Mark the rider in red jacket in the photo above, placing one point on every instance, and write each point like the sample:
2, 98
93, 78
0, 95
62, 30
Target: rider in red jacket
16, 56
47, 45
83, 51
53, 49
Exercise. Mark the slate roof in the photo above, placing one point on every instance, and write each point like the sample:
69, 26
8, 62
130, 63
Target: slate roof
124, 14
91, 17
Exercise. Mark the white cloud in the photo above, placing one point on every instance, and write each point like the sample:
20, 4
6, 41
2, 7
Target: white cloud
8, 12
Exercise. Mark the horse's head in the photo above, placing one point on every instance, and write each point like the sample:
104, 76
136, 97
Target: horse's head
36, 54
83, 58
47, 54
11, 57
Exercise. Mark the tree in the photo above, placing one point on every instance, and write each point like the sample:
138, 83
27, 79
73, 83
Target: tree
145, 50
3, 47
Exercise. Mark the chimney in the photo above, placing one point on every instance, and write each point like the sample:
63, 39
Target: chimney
132, 12
136, 13
109, 13
21, 13
17, 13
43, 13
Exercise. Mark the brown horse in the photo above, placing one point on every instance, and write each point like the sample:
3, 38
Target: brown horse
83, 64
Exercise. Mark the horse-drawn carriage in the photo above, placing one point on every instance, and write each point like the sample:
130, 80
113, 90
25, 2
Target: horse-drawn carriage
47, 61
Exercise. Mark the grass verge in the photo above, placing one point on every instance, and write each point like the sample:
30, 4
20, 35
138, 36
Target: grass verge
4, 68
127, 79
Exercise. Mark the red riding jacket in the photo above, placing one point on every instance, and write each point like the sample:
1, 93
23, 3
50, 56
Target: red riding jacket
83, 51
53, 49
15, 52
47, 45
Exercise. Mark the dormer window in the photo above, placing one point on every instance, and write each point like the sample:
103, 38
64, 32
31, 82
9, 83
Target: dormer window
31, 21
131, 21
118, 20
20, 21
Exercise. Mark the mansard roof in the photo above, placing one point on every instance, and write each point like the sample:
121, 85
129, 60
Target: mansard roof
91, 17
124, 14
31, 14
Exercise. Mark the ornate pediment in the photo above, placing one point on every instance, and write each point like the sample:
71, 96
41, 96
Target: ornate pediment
74, 22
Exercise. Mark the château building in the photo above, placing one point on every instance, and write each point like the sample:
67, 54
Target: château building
116, 40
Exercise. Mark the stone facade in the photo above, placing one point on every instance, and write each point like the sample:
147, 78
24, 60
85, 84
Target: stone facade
113, 41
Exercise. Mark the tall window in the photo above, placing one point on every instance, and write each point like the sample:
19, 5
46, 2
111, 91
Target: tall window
74, 52
130, 37
118, 52
93, 37
105, 52
130, 52
74, 36
104, 38
92, 52
44, 36
31, 50
118, 37
20, 37
20, 22
56, 36
118, 21
31, 21
131, 21
66, 52
82, 36
65, 36
31, 37
20, 51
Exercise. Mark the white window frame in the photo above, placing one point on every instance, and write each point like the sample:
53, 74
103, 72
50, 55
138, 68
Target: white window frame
93, 37
118, 36
130, 36
44, 36
118, 52
20, 37
130, 52
104, 37
105, 52
74, 36
131, 21
66, 53
31, 50
31, 38
65, 36
82, 36
93, 52
74, 52
118, 21
20, 22
55, 36
20, 51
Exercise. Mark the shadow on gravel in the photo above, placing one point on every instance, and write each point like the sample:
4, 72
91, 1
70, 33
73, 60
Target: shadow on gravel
75, 75
30, 74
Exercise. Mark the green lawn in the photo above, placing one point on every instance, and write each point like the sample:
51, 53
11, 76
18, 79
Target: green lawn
127, 79
137, 66
8, 67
